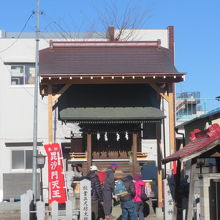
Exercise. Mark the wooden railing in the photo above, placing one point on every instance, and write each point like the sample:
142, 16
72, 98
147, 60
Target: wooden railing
142, 156
82, 156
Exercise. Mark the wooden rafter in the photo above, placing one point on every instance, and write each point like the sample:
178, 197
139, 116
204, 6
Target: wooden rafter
216, 154
62, 90
162, 92
59, 94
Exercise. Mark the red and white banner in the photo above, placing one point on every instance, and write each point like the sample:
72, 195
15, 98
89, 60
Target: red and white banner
56, 182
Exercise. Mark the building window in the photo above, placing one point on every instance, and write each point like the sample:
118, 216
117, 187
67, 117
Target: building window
22, 159
22, 74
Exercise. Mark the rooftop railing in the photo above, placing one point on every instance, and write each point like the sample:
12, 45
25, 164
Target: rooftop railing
188, 108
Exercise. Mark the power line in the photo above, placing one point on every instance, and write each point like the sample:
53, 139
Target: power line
19, 35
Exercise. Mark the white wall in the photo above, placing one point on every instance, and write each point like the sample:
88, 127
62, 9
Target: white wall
16, 112
18, 100
147, 35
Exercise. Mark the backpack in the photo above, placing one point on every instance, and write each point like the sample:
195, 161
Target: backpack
140, 192
120, 189
143, 194
101, 176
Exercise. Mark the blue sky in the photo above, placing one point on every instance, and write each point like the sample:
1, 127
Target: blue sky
196, 23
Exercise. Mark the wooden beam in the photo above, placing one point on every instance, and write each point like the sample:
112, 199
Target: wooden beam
191, 190
55, 105
110, 80
62, 90
50, 115
216, 154
172, 118
178, 196
134, 151
159, 91
89, 151
159, 167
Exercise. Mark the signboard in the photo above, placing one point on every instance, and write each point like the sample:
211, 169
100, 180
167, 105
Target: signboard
168, 198
85, 200
56, 183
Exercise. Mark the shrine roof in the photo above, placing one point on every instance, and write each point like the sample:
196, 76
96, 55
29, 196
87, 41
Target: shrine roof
111, 114
106, 58
200, 142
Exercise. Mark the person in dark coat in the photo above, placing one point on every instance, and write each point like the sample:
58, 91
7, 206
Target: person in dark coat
127, 205
108, 189
96, 191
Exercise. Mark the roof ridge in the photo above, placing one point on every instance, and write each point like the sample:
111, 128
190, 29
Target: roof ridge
213, 130
71, 44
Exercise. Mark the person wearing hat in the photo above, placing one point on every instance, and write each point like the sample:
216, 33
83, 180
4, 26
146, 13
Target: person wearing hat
108, 189
96, 190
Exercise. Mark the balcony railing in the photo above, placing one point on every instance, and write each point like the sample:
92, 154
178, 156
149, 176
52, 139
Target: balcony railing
191, 107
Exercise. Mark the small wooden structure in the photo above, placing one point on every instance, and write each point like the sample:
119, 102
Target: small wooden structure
203, 153
111, 89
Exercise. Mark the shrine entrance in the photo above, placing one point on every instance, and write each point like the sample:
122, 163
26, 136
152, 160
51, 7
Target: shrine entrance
104, 142
111, 140
111, 145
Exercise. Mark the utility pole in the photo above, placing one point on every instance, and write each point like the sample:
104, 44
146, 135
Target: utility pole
37, 33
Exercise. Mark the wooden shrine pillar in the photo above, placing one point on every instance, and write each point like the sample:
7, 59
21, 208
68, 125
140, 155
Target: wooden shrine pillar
172, 118
52, 104
134, 151
159, 166
50, 114
170, 98
89, 150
